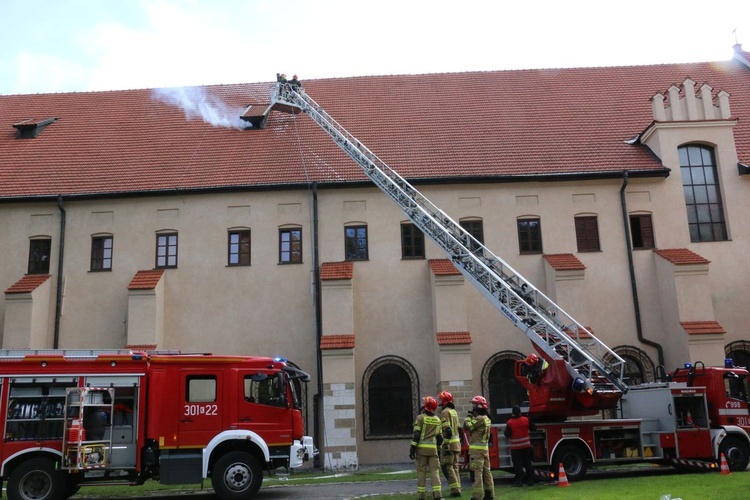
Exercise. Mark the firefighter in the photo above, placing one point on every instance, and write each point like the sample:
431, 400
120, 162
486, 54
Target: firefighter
478, 426
424, 448
451, 442
295, 83
534, 368
521, 452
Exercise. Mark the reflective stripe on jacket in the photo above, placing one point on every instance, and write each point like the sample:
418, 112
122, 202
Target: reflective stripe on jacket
479, 431
449, 418
428, 427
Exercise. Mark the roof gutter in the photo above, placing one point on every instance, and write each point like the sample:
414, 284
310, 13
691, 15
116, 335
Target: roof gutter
58, 295
633, 284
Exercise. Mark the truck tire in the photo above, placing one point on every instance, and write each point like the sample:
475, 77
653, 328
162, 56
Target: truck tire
736, 451
236, 475
36, 479
573, 461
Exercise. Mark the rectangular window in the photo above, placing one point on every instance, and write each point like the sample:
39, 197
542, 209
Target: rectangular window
101, 253
700, 182
641, 231
166, 250
529, 236
476, 229
587, 234
412, 242
200, 389
239, 248
290, 246
39, 256
355, 243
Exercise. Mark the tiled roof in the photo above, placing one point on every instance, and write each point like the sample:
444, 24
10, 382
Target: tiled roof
564, 262
453, 338
146, 280
443, 267
28, 283
681, 256
337, 342
337, 270
476, 125
702, 327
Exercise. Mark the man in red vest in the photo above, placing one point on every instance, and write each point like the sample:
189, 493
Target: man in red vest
521, 452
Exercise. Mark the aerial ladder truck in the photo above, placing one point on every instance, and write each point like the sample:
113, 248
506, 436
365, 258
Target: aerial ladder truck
691, 417
584, 376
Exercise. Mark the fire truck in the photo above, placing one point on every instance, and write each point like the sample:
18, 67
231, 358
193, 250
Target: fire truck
690, 417
77, 417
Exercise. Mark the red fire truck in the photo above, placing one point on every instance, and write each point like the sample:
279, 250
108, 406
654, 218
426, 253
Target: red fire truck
121, 417
688, 420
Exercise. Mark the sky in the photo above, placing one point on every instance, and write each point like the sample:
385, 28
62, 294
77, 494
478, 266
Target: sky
92, 45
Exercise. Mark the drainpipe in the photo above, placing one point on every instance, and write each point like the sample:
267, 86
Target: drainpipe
633, 285
58, 298
317, 399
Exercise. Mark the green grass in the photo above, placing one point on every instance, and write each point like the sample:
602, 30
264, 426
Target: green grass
697, 486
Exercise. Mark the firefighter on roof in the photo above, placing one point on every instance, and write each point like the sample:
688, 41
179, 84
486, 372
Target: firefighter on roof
451, 442
424, 445
478, 425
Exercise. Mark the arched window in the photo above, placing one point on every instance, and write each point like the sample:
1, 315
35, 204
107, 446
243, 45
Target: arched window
739, 351
700, 184
390, 398
500, 384
638, 366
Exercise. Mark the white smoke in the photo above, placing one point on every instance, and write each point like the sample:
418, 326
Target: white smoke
196, 102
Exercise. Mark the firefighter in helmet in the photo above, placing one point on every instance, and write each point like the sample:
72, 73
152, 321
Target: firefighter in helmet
424, 445
534, 368
451, 448
477, 423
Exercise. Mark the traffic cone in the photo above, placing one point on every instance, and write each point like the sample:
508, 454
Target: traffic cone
724, 465
562, 478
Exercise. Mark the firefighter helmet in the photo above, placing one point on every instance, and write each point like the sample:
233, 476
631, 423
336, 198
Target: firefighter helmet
479, 401
445, 397
429, 403
532, 359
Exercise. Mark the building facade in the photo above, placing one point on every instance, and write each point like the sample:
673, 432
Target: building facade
621, 193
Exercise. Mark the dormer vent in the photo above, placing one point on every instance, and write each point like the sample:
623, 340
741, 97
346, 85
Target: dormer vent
257, 114
683, 103
28, 129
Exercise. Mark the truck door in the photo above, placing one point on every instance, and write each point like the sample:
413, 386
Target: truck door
264, 407
201, 407
692, 431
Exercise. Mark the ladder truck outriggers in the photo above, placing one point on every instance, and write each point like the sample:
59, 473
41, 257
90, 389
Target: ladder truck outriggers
81, 417
690, 417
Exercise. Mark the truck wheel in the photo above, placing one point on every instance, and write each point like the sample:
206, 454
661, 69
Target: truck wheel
736, 451
35, 479
573, 461
236, 475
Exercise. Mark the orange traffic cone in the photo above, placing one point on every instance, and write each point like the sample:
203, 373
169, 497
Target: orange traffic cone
724, 465
562, 478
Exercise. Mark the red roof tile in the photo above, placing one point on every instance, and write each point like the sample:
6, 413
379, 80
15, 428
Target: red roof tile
337, 342
681, 256
337, 270
453, 338
564, 261
146, 280
434, 126
702, 327
28, 283
443, 267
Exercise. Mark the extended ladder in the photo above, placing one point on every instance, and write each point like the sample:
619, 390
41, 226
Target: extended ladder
549, 327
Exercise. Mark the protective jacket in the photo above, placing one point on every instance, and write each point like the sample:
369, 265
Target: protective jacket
517, 432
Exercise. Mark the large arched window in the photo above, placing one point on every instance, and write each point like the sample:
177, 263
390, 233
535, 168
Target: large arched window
638, 366
739, 351
700, 183
501, 386
390, 396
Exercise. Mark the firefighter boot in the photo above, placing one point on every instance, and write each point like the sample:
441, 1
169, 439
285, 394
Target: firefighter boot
488, 495
455, 493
